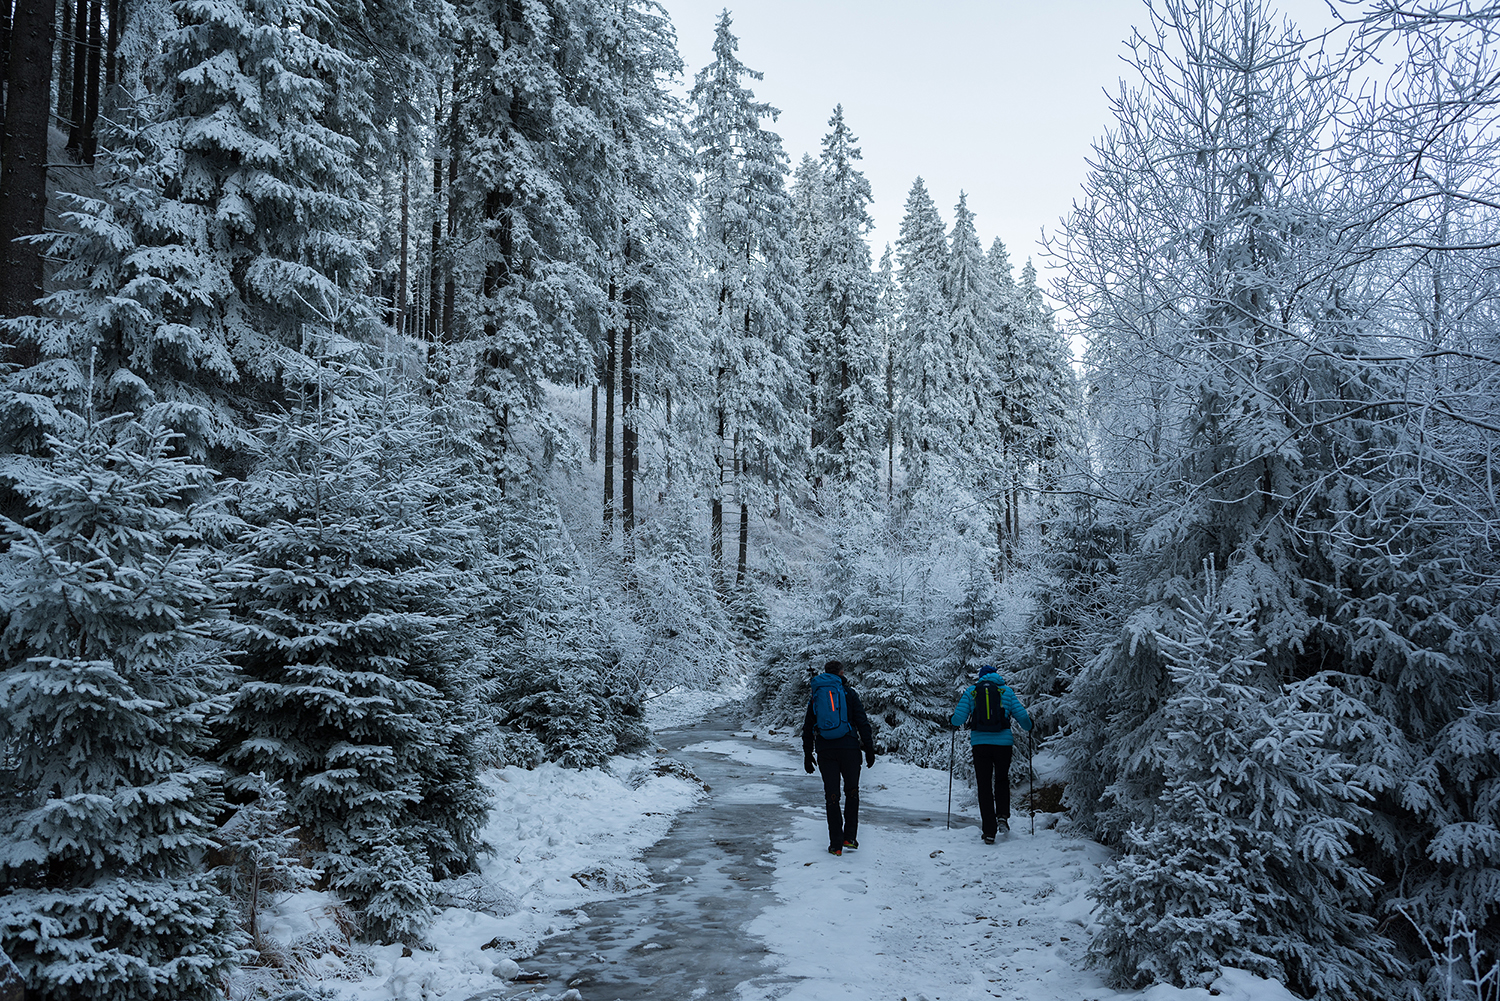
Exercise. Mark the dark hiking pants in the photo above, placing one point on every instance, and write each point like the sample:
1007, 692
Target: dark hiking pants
837, 763
992, 771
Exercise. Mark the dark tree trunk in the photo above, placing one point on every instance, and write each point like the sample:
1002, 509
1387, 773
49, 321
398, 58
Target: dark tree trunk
403, 276
91, 98
594, 423
450, 289
716, 534
434, 294
629, 436
716, 505
64, 62
744, 560
111, 53
80, 86
5, 26
23, 162
609, 422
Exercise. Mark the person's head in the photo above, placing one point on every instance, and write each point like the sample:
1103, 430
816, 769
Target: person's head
834, 667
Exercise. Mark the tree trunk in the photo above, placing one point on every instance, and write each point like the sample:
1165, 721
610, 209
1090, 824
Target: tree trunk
64, 60
23, 163
435, 276
91, 98
594, 423
716, 505
116, 26
5, 29
403, 276
450, 288
629, 435
80, 64
744, 559
609, 421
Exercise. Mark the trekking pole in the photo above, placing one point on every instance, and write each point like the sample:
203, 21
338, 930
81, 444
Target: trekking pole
1031, 772
952, 742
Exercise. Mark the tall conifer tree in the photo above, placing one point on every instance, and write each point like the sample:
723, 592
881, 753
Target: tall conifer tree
110, 671
747, 249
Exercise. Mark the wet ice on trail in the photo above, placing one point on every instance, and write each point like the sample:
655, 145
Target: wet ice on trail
749, 905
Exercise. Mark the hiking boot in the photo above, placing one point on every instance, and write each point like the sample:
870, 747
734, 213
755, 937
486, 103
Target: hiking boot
1004, 827
835, 849
851, 844
989, 839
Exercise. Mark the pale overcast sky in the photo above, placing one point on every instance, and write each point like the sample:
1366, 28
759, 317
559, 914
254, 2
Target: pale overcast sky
999, 98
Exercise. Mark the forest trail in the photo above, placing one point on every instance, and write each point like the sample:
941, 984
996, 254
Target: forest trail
748, 905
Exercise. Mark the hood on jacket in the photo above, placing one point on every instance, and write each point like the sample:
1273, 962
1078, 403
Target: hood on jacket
989, 672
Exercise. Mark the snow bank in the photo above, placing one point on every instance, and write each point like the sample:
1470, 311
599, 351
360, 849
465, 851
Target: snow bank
562, 839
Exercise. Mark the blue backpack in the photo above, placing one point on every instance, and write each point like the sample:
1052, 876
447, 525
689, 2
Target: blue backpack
830, 709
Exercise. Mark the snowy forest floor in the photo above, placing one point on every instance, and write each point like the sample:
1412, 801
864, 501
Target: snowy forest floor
634, 883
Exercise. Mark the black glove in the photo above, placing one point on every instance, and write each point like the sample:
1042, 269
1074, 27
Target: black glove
869, 759
807, 763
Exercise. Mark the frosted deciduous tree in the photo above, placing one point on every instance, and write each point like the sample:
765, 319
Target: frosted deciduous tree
1236, 292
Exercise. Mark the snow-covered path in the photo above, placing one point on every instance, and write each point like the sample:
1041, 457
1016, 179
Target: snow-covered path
749, 906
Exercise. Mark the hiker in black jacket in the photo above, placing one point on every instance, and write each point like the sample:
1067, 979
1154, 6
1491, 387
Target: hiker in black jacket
838, 732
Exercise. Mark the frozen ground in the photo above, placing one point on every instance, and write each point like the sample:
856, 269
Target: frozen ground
632, 884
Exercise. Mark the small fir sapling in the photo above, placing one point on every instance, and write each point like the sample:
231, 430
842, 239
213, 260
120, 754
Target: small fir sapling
556, 673
1246, 860
349, 692
264, 856
110, 670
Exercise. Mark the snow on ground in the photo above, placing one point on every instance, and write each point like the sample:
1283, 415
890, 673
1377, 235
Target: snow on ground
927, 914
917, 913
679, 707
563, 838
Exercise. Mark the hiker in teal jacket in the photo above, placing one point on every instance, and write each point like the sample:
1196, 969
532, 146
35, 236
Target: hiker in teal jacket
992, 743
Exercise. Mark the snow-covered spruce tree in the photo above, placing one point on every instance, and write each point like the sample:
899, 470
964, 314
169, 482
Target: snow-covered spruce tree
748, 255
840, 298
526, 215
229, 203
1246, 860
871, 608
922, 362
651, 262
680, 631
107, 804
349, 692
973, 638
969, 302
557, 691
262, 856
1415, 538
